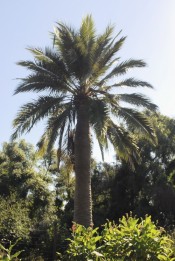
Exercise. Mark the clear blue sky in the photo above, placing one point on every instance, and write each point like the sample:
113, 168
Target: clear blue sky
149, 26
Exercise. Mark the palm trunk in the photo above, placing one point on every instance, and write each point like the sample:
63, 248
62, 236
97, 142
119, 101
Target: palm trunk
83, 197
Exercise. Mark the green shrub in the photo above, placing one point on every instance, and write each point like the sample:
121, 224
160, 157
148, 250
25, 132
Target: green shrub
83, 245
6, 253
133, 239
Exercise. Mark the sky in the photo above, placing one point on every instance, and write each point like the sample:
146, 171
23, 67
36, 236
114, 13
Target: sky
148, 24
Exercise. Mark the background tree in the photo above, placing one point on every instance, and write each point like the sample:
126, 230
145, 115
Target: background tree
82, 77
27, 202
149, 189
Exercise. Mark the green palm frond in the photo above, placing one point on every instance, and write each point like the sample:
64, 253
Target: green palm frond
109, 53
35, 111
137, 120
39, 83
138, 100
122, 68
106, 58
40, 55
102, 43
87, 33
123, 143
66, 42
131, 82
42, 145
99, 116
56, 126
51, 74
48, 63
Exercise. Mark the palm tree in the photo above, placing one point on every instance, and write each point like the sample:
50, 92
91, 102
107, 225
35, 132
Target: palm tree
82, 76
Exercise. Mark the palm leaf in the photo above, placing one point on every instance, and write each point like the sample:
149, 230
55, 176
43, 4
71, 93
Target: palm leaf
124, 143
137, 100
122, 68
106, 58
131, 82
137, 120
33, 112
56, 126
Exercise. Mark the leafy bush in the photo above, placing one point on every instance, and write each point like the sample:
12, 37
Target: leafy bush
83, 245
6, 253
133, 239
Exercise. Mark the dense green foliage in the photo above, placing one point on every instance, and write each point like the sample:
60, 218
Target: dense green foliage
6, 253
132, 239
27, 204
36, 200
149, 189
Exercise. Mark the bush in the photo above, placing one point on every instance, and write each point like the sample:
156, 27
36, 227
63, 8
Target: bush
6, 253
83, 245
133, 239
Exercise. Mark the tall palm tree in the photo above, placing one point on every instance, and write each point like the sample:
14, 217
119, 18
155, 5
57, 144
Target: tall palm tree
82, 76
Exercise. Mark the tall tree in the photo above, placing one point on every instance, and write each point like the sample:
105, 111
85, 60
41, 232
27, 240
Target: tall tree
80, 75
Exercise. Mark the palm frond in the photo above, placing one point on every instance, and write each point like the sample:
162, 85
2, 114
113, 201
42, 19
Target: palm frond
106, 58
46, 75
35, 111
131, 82
99, 116
122, 68
65, 40
137, 120
124, 143
87, 31
56, 126
40, 55
39, 83
138, 100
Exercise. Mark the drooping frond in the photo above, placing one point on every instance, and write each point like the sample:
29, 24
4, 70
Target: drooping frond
49, 73
35, 111
39, 83
137, 120
99, 115
56, 126
42, 145
123, 142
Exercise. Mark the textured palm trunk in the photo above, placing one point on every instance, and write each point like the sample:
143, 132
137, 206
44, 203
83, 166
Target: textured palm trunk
83, 198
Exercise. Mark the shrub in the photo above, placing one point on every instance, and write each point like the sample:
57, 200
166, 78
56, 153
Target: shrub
135, 239
6, 253
132, 239
83, 245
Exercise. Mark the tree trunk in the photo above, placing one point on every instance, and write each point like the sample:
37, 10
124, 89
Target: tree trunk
83, 197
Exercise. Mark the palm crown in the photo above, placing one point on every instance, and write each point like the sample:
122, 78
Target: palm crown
79, 68
80, 74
